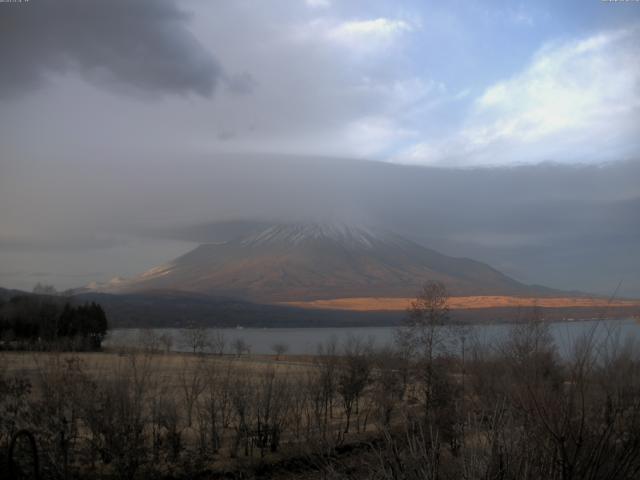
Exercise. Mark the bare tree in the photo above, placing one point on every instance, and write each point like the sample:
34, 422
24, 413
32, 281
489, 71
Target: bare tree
192, 385
115, 416
389, 383
196, 338
149, 340
327, 362
243, 403
272, 403
166, 340
279, 349
215, 409
423, 335
421, 332
299, 404
240, 346
354, 375
218, 342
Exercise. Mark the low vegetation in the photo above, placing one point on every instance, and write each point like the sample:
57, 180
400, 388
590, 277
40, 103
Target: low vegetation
438, 405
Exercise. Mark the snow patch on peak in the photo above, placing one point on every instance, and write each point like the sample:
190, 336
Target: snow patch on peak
296, 234
115, 282
157, 271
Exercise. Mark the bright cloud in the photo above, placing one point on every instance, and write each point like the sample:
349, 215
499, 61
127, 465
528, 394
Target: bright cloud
360, 36
318, 3
373, 135
362, 29
573, 100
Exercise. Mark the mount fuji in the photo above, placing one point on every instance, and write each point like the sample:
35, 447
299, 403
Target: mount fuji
292, 262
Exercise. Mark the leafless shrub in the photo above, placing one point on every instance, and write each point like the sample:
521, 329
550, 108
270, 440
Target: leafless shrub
412, 455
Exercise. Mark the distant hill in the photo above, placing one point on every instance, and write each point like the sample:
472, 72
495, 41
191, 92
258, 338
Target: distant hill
297, 262
179, 309
6, 293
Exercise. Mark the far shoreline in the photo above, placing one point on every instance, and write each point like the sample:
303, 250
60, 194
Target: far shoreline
346, 326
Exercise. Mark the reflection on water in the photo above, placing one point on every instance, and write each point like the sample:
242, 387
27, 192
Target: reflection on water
306, 340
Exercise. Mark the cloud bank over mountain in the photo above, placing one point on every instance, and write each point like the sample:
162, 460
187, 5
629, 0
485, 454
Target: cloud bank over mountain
568, 226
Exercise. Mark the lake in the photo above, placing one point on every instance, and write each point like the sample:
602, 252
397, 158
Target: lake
306, 340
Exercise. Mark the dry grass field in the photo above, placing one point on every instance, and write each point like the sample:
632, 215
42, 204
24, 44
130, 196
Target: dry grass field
174, 412
348, 412
462, 303
109, 363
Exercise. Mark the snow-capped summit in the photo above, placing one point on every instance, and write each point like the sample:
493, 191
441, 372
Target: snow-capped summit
298, 233
308, 261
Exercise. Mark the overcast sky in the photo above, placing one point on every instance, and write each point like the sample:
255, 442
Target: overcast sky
506, 131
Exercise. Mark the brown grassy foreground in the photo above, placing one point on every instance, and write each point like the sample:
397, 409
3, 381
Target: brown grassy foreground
470, 302
143, 413
513, 411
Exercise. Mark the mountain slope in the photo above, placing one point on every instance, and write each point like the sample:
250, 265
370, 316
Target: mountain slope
290, 262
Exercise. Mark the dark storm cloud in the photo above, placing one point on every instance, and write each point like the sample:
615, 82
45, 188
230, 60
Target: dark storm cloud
241, 83
140, 45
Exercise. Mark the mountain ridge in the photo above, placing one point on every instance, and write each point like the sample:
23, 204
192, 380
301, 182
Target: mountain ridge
313, 261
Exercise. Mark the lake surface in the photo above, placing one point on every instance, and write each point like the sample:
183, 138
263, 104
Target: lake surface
306, 340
